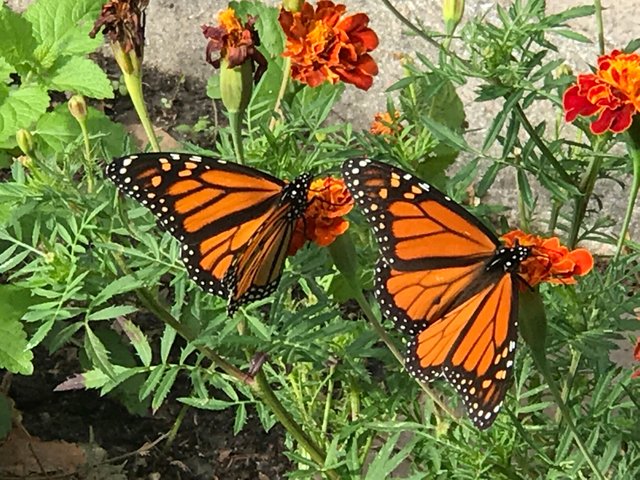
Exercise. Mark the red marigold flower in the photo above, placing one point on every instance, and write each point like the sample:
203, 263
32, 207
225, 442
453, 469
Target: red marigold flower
235, 42
549, 261
612, 93
329, 201
636, 356
323, 46
121, 21
383, 124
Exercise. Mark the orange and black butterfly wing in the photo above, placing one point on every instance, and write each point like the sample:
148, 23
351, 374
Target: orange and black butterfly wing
212, 207
256, 270
473, 346
433, 252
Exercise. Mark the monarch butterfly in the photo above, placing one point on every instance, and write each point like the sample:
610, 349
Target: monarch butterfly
446, 280
234, 223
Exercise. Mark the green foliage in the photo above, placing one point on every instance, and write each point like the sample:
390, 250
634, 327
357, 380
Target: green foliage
81, 265
46, 48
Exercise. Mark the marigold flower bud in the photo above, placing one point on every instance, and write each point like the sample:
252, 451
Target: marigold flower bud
78, 107
236, 85
25, 141
452, 14
533, 320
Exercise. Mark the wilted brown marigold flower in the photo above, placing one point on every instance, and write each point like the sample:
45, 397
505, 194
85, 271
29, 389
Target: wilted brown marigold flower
383, 124
323, 46
235, 42
121, 21
549, 261
329, 201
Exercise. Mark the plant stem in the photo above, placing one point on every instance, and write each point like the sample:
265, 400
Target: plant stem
88, 165
133, 81
599, 25
286, 74
410, 24
388, 341
541, 145
541, 362
266, 394
586, 189
633, 193
235, 122
171, 436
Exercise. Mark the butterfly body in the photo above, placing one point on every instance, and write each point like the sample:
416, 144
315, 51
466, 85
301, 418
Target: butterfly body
444, 279
234, 223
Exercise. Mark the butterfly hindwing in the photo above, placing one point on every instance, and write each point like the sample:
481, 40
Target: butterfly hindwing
473, 346
215, 209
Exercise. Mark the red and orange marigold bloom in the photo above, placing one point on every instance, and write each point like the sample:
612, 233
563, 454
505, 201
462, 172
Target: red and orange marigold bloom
383, 124
329, 201
549, 261
236, 42
325, 46
612, 93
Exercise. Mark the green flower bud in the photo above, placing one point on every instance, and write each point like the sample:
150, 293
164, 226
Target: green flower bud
533, 320
78, 107
345, 258
25, 141
236, 85
452, 14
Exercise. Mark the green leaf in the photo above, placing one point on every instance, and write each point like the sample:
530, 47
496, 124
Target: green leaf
80, 75
58, 128
138, 340
117, 287
62, 27
15, 355
166, 342
151, 382
565, 32
21, 108
164, 388
207, 403
241, 419
17, 42
112, 312
97, 352
6, 69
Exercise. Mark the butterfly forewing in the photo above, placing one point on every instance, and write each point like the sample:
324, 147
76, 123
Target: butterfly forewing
215, 209
412, 222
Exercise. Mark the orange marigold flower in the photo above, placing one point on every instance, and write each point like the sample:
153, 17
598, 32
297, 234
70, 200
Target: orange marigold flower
329, 201
323, 46
612, 93
235, 42
383, 124
121, 21
549, 261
